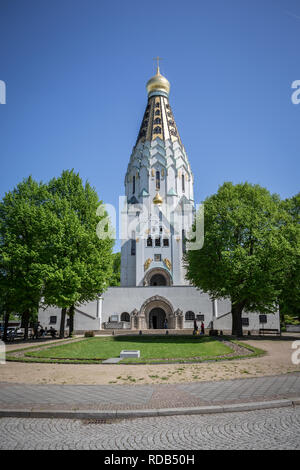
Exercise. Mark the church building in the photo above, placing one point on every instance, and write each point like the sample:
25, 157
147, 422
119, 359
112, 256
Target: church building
156, 216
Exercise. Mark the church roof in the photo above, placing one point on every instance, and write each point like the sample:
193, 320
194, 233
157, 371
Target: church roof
158, 120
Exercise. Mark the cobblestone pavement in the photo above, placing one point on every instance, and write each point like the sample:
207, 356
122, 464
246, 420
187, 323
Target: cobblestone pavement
148, 396
264, 429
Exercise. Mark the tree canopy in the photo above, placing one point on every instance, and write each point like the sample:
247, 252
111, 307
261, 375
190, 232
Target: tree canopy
49, 249
246, 252
289, 298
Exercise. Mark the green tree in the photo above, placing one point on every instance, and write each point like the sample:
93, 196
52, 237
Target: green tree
246, 251
24, 242
289, 299
83, 261
116, 274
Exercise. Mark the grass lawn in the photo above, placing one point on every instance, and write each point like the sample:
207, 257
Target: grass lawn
151, 347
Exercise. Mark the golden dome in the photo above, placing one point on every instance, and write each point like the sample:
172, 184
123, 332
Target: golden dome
158, 83
157, 199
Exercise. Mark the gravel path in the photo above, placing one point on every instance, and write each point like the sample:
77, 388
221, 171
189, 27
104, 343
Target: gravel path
277, 361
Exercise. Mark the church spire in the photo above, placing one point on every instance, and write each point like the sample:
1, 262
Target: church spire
157, 64
158, 120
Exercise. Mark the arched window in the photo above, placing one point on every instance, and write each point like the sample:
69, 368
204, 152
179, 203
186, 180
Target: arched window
157, 130
157, 105
189, 316
125, 316
157, 121
157, 112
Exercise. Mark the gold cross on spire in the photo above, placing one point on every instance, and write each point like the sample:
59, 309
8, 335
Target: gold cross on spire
157, 63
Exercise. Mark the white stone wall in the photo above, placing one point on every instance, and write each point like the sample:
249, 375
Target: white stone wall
81, 322
225, 322
117, 300
126, 299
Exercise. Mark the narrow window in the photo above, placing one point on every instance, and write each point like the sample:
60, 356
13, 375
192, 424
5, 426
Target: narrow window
149, 241
183, 183
166, 242
157, 180
157, 241
133, 185
133, 244
183, 242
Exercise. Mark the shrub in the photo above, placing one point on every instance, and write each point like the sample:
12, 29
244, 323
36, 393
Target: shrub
89, 334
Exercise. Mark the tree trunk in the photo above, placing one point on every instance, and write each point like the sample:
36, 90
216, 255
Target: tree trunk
6, 319
281, 315
236, 310
25, 323
71, 317
62, 323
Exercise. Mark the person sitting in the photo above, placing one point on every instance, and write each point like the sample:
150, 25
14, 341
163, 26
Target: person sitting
52, 332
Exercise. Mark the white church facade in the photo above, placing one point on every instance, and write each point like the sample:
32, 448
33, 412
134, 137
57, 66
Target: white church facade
157, 214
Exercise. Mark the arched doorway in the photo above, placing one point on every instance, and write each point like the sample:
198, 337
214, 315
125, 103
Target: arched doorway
156, 310
158, 280
157, 318
157, 277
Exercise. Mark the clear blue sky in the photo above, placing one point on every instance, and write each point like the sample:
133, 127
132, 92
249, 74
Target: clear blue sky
76, 70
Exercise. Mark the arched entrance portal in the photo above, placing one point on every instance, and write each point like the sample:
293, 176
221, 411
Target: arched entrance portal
157, 318
155, 311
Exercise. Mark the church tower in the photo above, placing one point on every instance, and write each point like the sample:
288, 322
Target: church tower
159, 204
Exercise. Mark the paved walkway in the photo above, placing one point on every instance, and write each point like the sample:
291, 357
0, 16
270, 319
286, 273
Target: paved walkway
263, 429
134, 397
